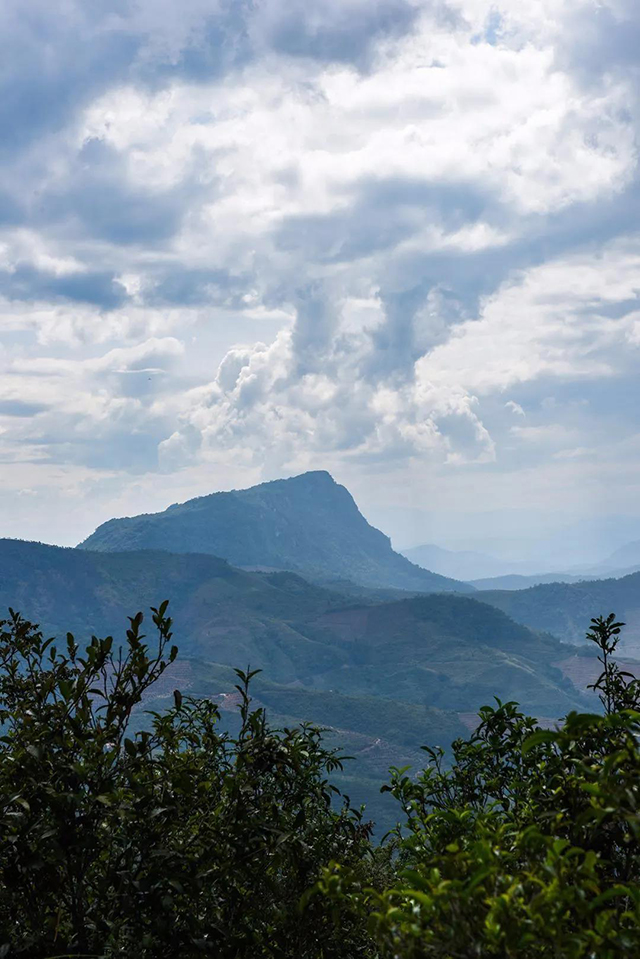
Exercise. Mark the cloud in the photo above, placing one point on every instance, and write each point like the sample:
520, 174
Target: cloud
243, 238
98, 412
341, 31
317, 388
609, 37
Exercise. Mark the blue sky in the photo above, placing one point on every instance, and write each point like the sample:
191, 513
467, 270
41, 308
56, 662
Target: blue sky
397, 240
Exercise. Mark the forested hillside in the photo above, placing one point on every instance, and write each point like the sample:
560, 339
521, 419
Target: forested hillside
565, 609
442, 650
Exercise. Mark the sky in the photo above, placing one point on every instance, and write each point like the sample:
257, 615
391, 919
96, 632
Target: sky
394, 239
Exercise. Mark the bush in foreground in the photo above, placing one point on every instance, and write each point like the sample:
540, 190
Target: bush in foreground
527, 847
179, 841
186, 841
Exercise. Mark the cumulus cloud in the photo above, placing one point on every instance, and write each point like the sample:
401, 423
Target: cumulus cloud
327, 394
242, 238
98, 412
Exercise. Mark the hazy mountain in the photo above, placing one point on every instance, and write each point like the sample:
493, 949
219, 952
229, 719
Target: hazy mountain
308, 524
565, 609
485, 572
627, 555
459, 564
516, 581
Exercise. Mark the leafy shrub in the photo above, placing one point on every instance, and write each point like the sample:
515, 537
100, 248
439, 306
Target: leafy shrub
178, 841
184, 840
527, 846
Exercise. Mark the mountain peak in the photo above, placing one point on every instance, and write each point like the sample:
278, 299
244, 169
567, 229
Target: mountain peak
308, 524
320, 480
312, 479
311, 476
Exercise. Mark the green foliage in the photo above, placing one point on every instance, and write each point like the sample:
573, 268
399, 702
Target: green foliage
617, 688
181, 840
189, 840
527, 847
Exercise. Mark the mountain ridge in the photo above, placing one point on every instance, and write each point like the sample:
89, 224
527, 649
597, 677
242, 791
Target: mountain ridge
565, 609
466, 565
308, 524
438, 647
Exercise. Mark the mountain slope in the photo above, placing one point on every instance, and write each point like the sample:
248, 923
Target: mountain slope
442, 650
565, 609
308, 524
627, 555
447, 652
516, 581
385, 677
225, 614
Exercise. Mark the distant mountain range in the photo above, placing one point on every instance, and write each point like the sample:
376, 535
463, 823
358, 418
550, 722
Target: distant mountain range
289, 577
307, 524
565, 609
488, 572
517, 581
459, 564
626, 556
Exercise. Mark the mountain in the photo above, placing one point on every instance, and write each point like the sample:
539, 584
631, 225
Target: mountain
444, 650
481, 569
485, 572
384, 676
565, 609
625, 556
221, 612
308, 524
459, 564
516, 581
448, 652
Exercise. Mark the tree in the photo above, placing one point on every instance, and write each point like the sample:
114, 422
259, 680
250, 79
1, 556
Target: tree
184, 840
181, 840
528, 846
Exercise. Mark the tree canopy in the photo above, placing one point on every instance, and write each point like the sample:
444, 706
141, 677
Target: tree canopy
177, 841
185, 840
527, 846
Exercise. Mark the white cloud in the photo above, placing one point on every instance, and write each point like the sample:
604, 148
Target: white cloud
548, 321
259, 242
545, 322
23, 247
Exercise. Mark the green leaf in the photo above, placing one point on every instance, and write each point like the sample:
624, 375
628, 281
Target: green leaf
538, 738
